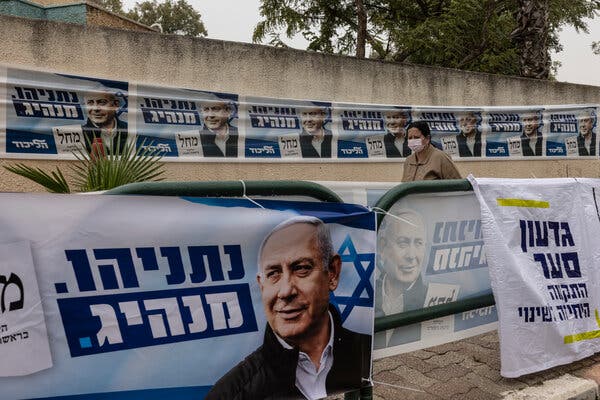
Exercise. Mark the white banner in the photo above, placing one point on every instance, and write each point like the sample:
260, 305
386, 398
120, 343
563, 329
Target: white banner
540, 236
159, 297
24, 345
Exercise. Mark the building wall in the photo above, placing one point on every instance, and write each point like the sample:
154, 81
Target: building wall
96, 16
255, 70
21, 9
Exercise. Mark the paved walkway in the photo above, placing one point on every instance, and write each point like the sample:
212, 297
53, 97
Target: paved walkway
470, 369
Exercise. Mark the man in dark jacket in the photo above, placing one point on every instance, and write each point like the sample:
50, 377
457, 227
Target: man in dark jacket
218, 138
469, 138
315, 140
306, 352
102, 126
531, 139
395, 140
401, 250
586, 141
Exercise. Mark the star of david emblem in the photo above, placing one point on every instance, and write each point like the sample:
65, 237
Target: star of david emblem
364, 265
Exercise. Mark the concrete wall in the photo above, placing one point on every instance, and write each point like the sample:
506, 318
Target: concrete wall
247, 69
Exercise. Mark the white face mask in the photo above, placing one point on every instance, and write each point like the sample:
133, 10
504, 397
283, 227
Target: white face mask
416, 145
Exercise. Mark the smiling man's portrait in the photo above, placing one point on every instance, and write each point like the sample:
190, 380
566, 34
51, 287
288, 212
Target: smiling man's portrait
218, 137
531, 139
586, 140
306, 352
315, 139
401, 248
103, 125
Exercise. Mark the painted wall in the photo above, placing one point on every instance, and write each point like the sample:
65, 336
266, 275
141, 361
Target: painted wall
257, 70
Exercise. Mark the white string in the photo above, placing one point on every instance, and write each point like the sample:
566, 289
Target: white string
384, 212
398, 386
248, 198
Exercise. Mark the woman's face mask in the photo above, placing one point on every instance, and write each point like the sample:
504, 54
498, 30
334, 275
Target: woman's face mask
416, 145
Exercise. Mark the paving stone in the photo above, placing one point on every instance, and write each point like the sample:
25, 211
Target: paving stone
488, 385
444, 374
453, 387
410, 381
486, 371
475, 394
392, 392
419, 364
468, 369
446, 359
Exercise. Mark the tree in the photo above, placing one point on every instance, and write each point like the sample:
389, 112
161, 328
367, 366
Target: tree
465, 34
177, 17
531, 38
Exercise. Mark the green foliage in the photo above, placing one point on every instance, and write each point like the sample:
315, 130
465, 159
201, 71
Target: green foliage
54, 182
95, 171
467, 34
174, 16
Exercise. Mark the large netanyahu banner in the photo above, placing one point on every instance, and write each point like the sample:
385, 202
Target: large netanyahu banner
51, 115
132, 297
540, 236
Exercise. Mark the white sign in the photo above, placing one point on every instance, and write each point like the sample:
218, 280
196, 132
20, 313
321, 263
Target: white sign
188, 143
24, 347
68, 138
375, 146
572, 146
514, 146
450, 145
541, 241
290, 146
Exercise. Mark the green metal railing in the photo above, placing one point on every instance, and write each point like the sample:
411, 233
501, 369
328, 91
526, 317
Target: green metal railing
230, 189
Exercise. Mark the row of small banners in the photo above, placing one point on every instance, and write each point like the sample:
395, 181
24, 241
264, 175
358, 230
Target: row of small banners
52, 115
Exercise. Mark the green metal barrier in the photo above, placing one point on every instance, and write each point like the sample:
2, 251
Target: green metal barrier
230, 189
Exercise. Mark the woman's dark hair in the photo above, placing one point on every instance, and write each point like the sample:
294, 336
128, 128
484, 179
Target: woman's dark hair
422, 126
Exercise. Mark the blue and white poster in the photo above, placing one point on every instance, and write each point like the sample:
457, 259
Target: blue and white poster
61, 114
429, 254
187, 123
147, 297
514, 133
288, 129
571, 132
371, 131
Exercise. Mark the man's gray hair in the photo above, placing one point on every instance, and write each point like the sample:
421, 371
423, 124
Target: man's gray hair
323, 238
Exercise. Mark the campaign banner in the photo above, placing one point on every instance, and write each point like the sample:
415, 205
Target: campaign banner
430, 251
543, 265
53, 115
372, 131
288, 129
58, 114
457, 132
187, 123
140, 293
